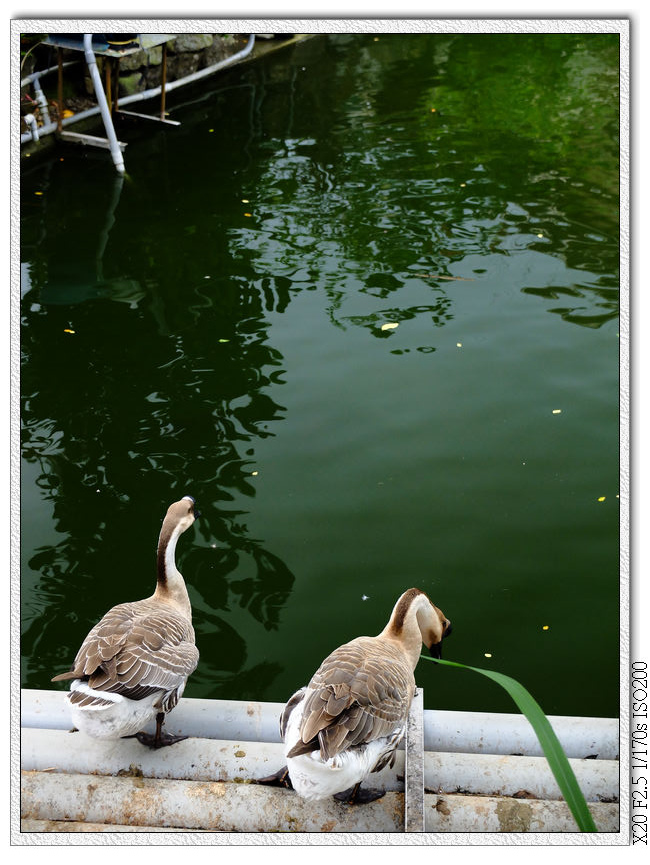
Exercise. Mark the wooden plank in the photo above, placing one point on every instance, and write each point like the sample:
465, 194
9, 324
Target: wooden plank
414, 780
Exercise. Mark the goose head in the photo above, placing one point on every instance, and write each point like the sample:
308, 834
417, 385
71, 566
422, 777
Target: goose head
179, 517
416, 620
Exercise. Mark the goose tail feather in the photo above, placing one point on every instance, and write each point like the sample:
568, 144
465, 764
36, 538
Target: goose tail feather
63, 676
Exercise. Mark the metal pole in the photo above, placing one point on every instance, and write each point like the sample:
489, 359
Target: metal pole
164, 82
108, 72
59, 121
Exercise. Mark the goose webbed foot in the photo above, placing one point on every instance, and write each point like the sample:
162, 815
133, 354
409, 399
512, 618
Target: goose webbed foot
356, 796
159, 739
278, 779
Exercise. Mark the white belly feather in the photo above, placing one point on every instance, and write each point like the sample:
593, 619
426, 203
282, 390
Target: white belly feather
121, 717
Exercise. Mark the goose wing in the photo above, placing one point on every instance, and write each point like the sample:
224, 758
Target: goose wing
360, 693
135, 650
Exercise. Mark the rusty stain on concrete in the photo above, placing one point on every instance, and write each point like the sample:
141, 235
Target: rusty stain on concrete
442, 807
133, 771
514, 815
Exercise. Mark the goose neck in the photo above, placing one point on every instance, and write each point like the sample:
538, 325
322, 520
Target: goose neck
403, 626
170, 583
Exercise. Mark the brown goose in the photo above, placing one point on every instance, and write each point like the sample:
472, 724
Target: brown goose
352, 715
134, 664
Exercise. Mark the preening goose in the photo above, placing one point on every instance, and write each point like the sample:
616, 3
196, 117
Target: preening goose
134, 664
352, 715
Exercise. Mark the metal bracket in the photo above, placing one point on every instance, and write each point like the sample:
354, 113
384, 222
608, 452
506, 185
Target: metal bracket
414, 766
148, 117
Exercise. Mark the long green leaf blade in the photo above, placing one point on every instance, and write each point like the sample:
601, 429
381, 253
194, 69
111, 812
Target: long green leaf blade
551, 746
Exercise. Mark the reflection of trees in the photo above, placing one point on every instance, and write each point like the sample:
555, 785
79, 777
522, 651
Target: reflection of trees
592, 306
125, 409
521, 136
168, 392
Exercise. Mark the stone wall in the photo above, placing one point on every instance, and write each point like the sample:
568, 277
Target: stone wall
186, 53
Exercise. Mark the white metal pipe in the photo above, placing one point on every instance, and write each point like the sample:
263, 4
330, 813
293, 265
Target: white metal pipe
225, 760
71, 826
51, 127
30, 120
480, 814
465, 732
504, 733
48, 129
190, 760
34, 76
197, 805
116, 152
42, 101
194, 76
498, 775
145, 802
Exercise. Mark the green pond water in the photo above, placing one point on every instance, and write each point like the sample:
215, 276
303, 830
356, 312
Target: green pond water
212, 325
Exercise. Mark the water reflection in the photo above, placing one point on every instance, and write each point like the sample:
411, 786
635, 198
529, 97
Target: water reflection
457, 187
427, 164
127, 407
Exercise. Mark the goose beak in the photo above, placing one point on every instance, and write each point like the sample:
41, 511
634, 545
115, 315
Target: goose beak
435, 649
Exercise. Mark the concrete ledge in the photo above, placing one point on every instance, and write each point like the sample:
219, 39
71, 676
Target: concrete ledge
238, 760
71, 783
492, 814
142, 803
216, 806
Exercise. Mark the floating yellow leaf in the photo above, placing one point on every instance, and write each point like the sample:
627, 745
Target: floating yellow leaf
544, 627
601, 499
248, 214
390, 325
68, 113
557, 411
488, 654
67, 330
254, 473
244, 200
